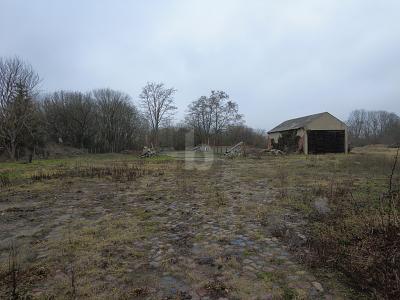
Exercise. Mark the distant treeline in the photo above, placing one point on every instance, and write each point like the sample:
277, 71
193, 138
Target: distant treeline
373, 127
106, 120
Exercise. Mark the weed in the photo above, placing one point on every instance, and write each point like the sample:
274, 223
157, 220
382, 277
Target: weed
4, 180
220, 199
13, 270
217, 288
70, 268
140, 292
288, 293
216, 198
268, 276
115, 172
282, 177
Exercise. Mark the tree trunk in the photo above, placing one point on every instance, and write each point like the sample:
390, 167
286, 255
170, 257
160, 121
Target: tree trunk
156, 145
12, 150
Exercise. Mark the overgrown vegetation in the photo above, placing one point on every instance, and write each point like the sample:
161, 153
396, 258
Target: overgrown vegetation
353, 218
112, 225
115, 172
115, 166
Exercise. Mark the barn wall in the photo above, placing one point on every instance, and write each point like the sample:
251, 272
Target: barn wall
273, 139
326, 122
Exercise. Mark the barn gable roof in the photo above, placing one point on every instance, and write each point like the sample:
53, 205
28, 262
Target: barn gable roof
296, 123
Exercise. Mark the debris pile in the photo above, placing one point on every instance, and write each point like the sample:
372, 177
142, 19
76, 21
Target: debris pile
148, 152
274, 151
237, 150
395, 145
201, 148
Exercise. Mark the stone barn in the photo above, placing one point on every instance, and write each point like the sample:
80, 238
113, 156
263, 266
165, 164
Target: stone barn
314, 134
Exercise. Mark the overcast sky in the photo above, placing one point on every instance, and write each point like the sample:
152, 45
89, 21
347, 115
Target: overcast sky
277, 59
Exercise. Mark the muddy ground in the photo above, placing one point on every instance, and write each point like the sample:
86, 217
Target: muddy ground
183, 231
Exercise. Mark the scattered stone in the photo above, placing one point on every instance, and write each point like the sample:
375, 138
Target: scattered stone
247, 261
60, 275
249, 268
322, 206
205, 260
318, 286
201, 292
233, 241
154, 264
297, 239
292, 277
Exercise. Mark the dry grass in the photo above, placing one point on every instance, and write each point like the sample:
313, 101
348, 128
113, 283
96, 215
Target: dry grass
358, 235
92, 225
114, 172
4, 180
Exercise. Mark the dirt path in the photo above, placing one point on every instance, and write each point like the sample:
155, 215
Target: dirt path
188, 234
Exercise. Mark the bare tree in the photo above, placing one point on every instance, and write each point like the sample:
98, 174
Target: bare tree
102, 121
200, 117
71, 117
157, 103
212, 116
118, 120
356, 123
56, 116
81, 113
18, 87
367, 127
225, 112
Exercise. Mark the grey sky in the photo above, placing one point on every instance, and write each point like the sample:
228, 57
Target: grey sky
277, 59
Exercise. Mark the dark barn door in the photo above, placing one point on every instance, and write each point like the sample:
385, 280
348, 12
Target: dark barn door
326, 141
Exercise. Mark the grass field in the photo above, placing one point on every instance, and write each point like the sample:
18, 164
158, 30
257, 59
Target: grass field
114, 226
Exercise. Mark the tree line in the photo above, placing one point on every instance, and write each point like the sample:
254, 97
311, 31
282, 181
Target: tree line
106, 120
373, 127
